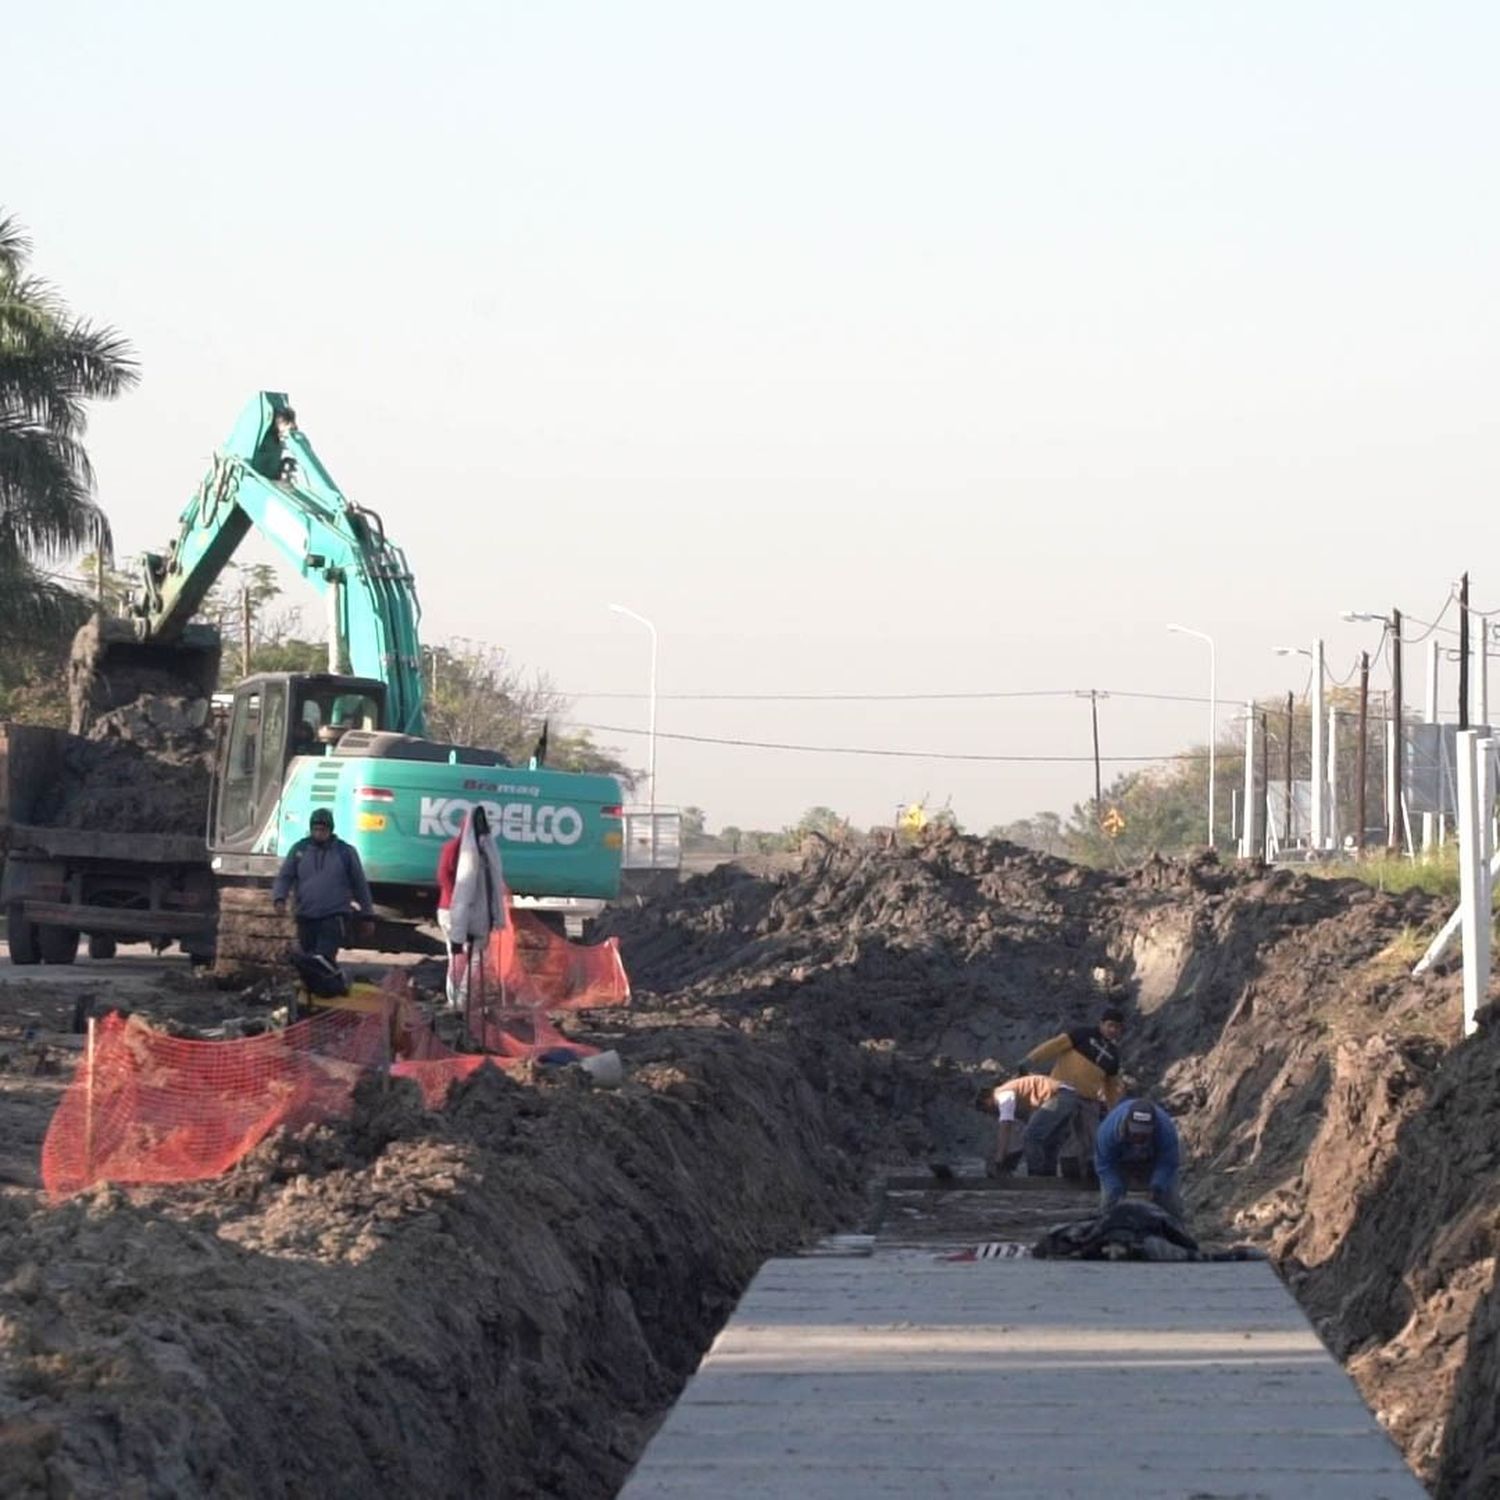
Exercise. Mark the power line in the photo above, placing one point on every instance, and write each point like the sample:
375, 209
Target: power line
706, 739
895, 697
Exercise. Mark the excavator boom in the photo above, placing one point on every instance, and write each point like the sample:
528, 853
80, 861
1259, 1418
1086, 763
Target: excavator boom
268, 477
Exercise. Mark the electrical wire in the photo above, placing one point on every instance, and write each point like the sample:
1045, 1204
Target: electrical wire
1431, 625
1348, 676
956, 697
706, 739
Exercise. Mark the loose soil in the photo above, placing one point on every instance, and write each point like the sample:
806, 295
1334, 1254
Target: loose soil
140, 758
503, 1297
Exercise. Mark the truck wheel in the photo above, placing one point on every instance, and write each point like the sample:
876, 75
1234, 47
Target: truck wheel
22, 936
102, 945
59, 945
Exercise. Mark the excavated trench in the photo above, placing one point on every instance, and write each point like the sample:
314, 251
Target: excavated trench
503, 1298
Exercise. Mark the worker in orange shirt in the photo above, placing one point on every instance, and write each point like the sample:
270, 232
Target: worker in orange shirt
1012, 1103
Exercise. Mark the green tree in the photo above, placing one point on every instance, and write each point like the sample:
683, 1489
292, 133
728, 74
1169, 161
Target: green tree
732, 837
820, 820
475, 697
51, 363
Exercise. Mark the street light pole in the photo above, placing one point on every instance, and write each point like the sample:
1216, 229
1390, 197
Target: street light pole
630, 614
1213, 715
1317, 782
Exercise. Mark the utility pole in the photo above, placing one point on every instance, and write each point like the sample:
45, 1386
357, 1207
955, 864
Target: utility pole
244, 628
1098, 782
1286, 821
1393, 792
1463, 652
1362, 763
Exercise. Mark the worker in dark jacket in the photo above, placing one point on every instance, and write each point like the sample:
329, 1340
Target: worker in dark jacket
1138, 1147
329, 880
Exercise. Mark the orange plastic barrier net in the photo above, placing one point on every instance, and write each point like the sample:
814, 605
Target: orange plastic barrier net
145, 1107
528, 967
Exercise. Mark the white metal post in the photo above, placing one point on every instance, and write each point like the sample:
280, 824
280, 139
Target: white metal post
1430, 820
1470, 840
1484, 674
1484, 867
1392, 795
1331, 831
1316, 772
1248, 848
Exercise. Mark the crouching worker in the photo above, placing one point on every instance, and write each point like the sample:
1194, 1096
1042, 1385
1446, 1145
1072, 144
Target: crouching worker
1011, 1102
329, 880
1137, 1147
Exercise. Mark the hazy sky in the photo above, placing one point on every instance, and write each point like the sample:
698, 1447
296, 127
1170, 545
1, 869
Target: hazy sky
863, 347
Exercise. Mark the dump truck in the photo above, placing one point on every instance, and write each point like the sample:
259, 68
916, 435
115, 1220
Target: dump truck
64, 883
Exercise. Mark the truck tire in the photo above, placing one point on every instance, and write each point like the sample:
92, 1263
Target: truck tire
59, 945
21, 936
102, 945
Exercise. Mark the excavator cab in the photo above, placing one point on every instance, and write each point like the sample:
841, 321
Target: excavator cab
275, 717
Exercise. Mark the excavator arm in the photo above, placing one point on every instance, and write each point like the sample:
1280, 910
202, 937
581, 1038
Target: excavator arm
268, 477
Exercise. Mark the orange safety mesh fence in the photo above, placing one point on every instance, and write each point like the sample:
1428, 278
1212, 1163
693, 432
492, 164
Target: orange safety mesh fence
145, 1107
527, 967
148, 1107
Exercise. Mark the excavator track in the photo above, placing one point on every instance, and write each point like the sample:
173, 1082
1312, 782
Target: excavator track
251, 935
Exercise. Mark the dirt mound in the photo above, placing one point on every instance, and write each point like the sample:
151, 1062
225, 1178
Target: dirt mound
114, 785
142, 759
496, 1300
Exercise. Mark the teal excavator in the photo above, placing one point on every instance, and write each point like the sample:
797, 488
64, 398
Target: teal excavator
352, 739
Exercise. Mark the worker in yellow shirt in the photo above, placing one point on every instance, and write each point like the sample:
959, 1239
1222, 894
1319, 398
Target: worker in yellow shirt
1085, 1062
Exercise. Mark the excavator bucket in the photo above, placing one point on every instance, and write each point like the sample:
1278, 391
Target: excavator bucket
111, 666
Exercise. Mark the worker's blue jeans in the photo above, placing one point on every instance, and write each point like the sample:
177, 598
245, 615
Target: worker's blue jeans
1046, 1132
323, 935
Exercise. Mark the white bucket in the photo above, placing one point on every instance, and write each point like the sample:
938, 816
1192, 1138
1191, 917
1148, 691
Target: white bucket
605, 1068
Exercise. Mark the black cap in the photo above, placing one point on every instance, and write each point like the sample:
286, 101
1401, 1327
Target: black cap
320, 815
1112, 1013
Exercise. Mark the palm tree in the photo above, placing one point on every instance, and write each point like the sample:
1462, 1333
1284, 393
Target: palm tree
51, 362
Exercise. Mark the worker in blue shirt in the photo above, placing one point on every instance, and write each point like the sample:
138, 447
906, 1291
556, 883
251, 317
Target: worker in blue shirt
1137, 1146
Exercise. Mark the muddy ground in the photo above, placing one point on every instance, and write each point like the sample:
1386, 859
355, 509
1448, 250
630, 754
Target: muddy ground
503, 1297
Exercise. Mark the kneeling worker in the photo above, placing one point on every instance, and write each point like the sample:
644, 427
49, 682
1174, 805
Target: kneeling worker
1016, 1099
1137, 1146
